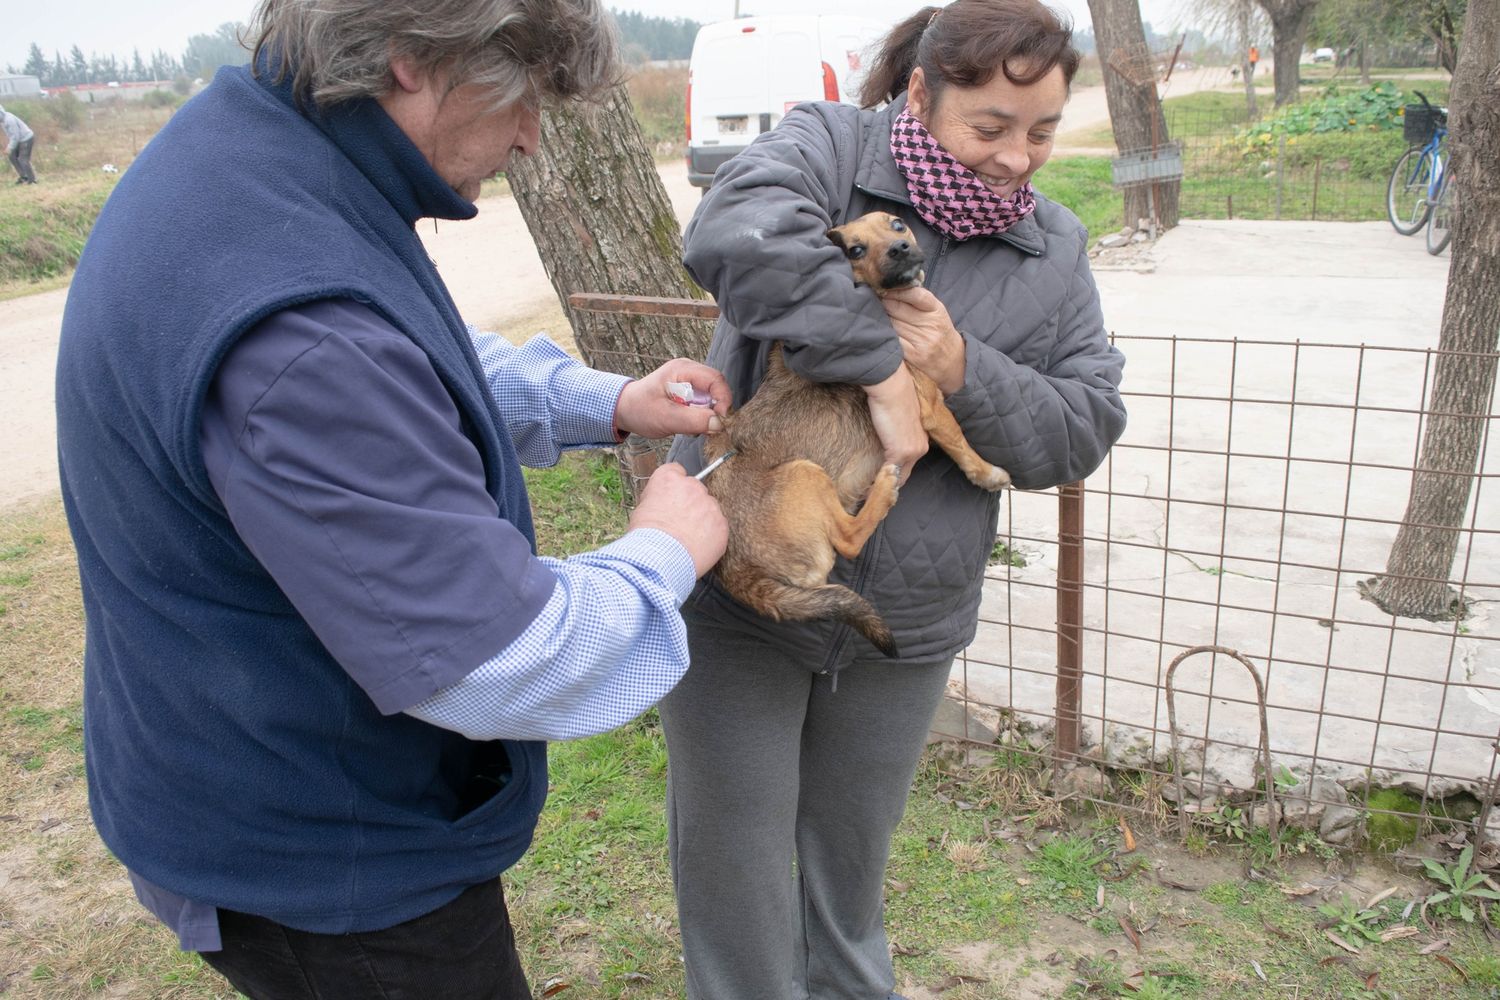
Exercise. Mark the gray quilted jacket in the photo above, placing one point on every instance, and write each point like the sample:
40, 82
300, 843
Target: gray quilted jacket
1040, 395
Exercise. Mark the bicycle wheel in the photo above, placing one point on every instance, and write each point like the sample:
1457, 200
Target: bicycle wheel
1439, 226
1406, 195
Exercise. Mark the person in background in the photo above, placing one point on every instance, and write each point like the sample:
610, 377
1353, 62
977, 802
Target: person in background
792, 746
18, 142
322, 655
1251, 59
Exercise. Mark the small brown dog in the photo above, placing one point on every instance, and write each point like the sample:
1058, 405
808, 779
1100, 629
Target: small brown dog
806, 454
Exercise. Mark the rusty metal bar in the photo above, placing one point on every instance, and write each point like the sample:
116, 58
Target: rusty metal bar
644, 305
1273, 821
1069, 619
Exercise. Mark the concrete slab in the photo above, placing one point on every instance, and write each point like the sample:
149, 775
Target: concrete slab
1275, 376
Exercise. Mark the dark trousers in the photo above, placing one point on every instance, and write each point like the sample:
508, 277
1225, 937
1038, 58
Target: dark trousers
462, 951
20, 158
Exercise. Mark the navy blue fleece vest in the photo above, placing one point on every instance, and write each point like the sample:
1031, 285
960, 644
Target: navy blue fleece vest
230, 759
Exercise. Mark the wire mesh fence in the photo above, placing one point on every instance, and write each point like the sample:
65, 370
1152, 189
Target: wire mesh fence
1233, 170
1258, 486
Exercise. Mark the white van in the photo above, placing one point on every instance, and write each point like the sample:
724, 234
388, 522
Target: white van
747, 73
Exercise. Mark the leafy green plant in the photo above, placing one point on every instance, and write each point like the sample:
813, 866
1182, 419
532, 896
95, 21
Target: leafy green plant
1229, 823
1067, 868
1354, 922
1003, 555
1463, 890
1371, 109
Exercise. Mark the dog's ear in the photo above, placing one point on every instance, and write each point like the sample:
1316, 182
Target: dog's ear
837, 236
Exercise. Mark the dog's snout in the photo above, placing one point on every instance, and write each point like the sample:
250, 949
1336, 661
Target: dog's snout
900, 248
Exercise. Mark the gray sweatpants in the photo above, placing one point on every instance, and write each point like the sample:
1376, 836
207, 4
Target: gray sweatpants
770, 762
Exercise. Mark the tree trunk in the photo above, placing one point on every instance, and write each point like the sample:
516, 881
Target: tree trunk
603, 223
1134, 109
1288, 33
1364, 63
1415, 582
1242, 13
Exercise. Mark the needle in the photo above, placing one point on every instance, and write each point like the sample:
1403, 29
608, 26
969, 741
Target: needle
711, 466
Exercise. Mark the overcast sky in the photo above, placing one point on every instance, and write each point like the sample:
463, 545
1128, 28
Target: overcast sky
121, 26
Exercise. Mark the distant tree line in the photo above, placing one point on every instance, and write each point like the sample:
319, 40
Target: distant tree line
202, 57
644, 38
647, 38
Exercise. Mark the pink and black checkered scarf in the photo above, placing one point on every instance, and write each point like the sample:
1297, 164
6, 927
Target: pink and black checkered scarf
948, 195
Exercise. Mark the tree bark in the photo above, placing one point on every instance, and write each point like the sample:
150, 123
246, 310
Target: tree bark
1134, 109
602, 222
1289, 20
1242, 15
1416, 578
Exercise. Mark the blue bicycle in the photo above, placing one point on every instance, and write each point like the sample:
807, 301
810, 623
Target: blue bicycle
1417, 181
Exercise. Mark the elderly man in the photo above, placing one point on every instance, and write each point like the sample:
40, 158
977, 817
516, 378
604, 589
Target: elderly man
322, 655
18, 141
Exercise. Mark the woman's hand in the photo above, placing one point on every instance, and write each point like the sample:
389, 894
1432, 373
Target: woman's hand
929, 340
898, 420
646, 407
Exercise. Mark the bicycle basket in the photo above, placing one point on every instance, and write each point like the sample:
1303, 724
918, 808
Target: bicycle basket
1419, 122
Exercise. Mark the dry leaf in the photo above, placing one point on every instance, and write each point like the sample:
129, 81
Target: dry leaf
553, 987
952, 981
1437, 945
1099, 896
1129, 837
1130, 932
1380, 897
1453, 965
1259, 971
636, 977
1172, 883
1341, 942
1335, 960
1301, 890
1397, 933
1371, 979
901, 949
1277, 931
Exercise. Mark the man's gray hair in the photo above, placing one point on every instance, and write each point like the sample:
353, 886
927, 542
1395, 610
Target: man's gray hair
532, 51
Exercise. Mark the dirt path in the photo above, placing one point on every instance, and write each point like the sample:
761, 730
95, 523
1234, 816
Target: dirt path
1087, 109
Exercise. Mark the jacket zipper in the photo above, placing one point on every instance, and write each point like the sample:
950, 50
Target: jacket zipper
863, 566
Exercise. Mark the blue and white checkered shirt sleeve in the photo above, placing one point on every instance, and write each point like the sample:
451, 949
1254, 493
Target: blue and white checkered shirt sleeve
606, 647
551, 402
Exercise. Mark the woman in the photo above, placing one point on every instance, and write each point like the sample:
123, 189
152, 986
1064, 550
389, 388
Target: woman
798, 742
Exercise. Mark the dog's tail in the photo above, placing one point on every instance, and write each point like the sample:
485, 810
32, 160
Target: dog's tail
779, 600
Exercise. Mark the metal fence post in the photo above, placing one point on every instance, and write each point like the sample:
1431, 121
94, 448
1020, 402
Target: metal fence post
1069, 619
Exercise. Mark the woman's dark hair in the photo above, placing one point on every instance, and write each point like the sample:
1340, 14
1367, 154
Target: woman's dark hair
966, 43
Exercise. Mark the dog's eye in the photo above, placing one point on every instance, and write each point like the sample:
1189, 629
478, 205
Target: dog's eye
898, 225
855, 252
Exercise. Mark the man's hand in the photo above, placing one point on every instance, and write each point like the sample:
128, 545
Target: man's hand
646, 408
680, 505
898, 420
928, 338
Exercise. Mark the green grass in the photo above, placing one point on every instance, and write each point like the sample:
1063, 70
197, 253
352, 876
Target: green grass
578, 504
1082, 184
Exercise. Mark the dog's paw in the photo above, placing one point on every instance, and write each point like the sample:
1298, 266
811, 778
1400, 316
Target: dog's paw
993, 478
892, 472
